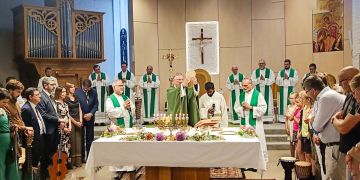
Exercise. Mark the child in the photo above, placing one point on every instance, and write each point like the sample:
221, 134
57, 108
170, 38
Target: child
289, 124
304, 134
296, 119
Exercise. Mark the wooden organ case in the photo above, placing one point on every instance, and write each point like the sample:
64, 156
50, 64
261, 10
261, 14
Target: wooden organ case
57, 36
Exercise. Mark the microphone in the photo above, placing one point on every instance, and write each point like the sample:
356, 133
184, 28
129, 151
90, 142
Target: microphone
213, 106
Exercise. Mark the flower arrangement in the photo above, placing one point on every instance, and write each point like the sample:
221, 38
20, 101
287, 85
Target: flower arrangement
247, 132
112, 130
180, 136
160, 136
149, 136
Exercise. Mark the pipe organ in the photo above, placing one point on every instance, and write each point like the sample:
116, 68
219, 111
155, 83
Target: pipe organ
60, 37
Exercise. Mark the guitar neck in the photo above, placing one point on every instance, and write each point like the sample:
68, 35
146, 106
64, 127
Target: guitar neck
29, 158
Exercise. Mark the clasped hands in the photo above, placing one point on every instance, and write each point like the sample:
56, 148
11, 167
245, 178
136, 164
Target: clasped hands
67, 130
246, 106
286, 76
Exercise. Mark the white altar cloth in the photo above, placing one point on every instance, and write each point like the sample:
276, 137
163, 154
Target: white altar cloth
234, 151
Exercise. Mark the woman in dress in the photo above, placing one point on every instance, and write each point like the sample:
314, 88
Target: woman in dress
63, 113
8, 165
75, 135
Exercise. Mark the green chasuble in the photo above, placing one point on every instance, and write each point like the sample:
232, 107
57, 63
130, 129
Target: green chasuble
128, 77
152, 97
281, 89
267, 87
103, 90
121, 121
253, 102
233, 94
185, 105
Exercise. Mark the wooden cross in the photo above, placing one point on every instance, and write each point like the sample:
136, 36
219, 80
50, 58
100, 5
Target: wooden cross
202, 45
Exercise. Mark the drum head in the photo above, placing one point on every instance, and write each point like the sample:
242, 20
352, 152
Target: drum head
288, 159
302, 164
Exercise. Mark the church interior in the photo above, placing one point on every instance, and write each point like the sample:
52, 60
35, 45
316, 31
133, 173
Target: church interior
200, 41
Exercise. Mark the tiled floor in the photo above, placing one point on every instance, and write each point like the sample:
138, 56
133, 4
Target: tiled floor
273, 172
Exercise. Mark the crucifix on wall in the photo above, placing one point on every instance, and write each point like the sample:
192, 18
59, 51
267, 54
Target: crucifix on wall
202, 46
202, 43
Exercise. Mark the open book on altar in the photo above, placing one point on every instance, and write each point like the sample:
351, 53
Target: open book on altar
214, 121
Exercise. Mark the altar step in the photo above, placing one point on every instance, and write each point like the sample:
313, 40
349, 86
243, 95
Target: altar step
276, 137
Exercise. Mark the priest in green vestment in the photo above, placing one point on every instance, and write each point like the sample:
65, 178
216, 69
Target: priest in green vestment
263, 78
286, 80
100, 82
233, 84
150, 84
119, 107
251, 107
312, 72
129, 81
182, 98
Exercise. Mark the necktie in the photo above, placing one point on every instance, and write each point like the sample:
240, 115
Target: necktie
87, 97
41, 122
53, 101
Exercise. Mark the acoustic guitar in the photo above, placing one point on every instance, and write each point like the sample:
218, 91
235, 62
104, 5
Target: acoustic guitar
58, 169
30, 172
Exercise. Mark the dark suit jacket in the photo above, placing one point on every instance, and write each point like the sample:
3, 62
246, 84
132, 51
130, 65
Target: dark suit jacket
29, 117
87, 107
48, 113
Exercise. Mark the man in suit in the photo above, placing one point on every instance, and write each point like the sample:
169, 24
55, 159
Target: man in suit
32, 118
89, 105
49, 114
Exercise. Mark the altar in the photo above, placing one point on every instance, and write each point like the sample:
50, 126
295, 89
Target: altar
187, 159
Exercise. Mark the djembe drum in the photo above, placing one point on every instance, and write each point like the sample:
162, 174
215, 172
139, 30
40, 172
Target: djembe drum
288, 164
303, 170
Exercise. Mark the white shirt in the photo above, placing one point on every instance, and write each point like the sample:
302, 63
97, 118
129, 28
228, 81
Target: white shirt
328, 102
39, 118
